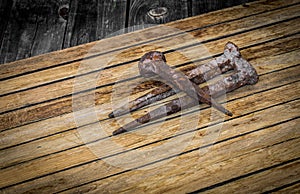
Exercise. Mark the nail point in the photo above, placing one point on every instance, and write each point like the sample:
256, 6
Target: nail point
118, 131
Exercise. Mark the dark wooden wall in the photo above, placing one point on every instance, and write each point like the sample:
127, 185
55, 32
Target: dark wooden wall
33, 27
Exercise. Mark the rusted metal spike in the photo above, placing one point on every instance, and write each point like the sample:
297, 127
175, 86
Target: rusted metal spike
244, 73
198, 75
155, 64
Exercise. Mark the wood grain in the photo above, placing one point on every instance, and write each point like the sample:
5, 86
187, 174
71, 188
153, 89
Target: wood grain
262, 181
50, 32
71, 70
282, 77
94, 20
88, 171
20, 32
216, 170
79, 52
251, 103
203, 6
56, 141
138, 15
83, 23
45, 92
5, 9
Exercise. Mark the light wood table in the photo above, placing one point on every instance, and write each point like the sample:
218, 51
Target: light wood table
56, 135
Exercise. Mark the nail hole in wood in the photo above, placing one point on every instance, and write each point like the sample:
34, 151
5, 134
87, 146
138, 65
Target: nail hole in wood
64, 12
158, 14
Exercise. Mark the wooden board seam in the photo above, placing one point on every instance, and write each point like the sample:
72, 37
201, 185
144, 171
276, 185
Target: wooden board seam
247, 175
192, 150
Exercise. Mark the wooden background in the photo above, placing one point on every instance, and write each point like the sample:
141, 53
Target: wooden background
42, 148
32, 27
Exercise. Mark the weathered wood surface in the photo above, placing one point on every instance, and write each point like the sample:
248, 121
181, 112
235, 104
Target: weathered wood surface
139, 9
5, 7
204, 6
92, 20
53, 149
31, 28
37, 27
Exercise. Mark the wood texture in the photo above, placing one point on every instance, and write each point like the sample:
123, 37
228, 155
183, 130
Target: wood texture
50, 92
138, 15
94, 20
49, 35
35, 27
52, 140
76, 54
204, 6
5, 8
20, 32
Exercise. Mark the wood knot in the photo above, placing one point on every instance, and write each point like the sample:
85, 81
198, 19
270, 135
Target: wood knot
63, 12
158, 14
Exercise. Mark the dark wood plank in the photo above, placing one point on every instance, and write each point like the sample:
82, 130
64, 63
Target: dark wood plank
5, 9
204, 6
177, 9
51, 27
20, 31
93, 20
111, 17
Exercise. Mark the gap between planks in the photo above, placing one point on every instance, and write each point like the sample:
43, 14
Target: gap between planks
263, 180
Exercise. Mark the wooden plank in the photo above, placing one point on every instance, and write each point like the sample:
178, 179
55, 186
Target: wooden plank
81, 155
186, 177
9, 137
20, 32
93, 20
28, 133
82, 23
23, 153
51, 28
262, 181
77, 53
275, 61
264, 139
65, 123
139, 10
16, 116
5, 10
225, 152
293, 188
204, 6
